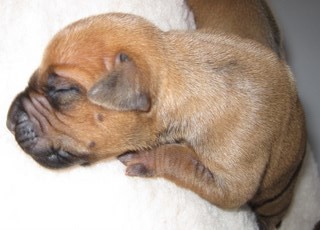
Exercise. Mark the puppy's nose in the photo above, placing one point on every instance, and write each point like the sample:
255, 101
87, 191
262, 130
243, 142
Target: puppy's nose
16, 114
16, 119
19, 124
25, 134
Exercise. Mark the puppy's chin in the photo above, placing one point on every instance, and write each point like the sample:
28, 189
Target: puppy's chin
42, 151
57, 159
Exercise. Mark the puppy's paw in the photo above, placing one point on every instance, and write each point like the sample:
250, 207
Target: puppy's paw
140, 164
139, 170
126, 158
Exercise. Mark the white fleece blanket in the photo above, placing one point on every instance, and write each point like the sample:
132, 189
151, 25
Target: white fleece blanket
101, 196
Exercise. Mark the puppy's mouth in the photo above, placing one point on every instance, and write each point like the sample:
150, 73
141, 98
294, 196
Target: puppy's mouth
30, 135
59, 158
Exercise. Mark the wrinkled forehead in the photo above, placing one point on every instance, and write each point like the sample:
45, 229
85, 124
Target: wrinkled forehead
74, 56
79, 59
86, 49
92, 38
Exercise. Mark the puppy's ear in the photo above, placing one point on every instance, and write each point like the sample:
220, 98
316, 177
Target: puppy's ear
121, 88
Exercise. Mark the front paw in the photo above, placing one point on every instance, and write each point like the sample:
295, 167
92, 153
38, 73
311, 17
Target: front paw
138, 164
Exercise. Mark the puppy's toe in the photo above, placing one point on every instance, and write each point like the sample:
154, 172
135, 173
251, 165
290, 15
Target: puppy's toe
139, 170
126, 158
140, 164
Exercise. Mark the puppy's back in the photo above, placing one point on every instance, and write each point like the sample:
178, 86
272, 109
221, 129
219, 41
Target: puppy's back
249, 19
243, 95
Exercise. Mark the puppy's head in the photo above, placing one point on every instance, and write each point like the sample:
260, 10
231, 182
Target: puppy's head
94, 94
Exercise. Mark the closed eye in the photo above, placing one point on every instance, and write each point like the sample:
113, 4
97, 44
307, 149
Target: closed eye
53, 91
61, 92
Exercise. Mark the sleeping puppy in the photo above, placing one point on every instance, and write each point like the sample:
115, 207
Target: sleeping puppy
216, 114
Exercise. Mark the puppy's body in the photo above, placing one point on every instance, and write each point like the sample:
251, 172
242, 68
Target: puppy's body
249, 19
214, 114
244, 132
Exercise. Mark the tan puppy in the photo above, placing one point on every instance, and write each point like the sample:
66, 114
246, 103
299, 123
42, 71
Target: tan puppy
215, 114
249, 19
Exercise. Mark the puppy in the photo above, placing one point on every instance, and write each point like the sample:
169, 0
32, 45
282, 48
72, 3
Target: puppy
216, 114
250, 19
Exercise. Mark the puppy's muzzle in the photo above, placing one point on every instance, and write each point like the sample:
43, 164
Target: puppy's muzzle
29, 125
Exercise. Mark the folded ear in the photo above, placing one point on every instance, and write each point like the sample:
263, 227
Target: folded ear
121, 88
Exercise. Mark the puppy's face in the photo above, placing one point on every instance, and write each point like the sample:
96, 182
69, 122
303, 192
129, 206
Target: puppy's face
93, 95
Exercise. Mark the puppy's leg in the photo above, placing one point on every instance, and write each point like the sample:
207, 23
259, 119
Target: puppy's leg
179, 164
270, 212
166, 161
